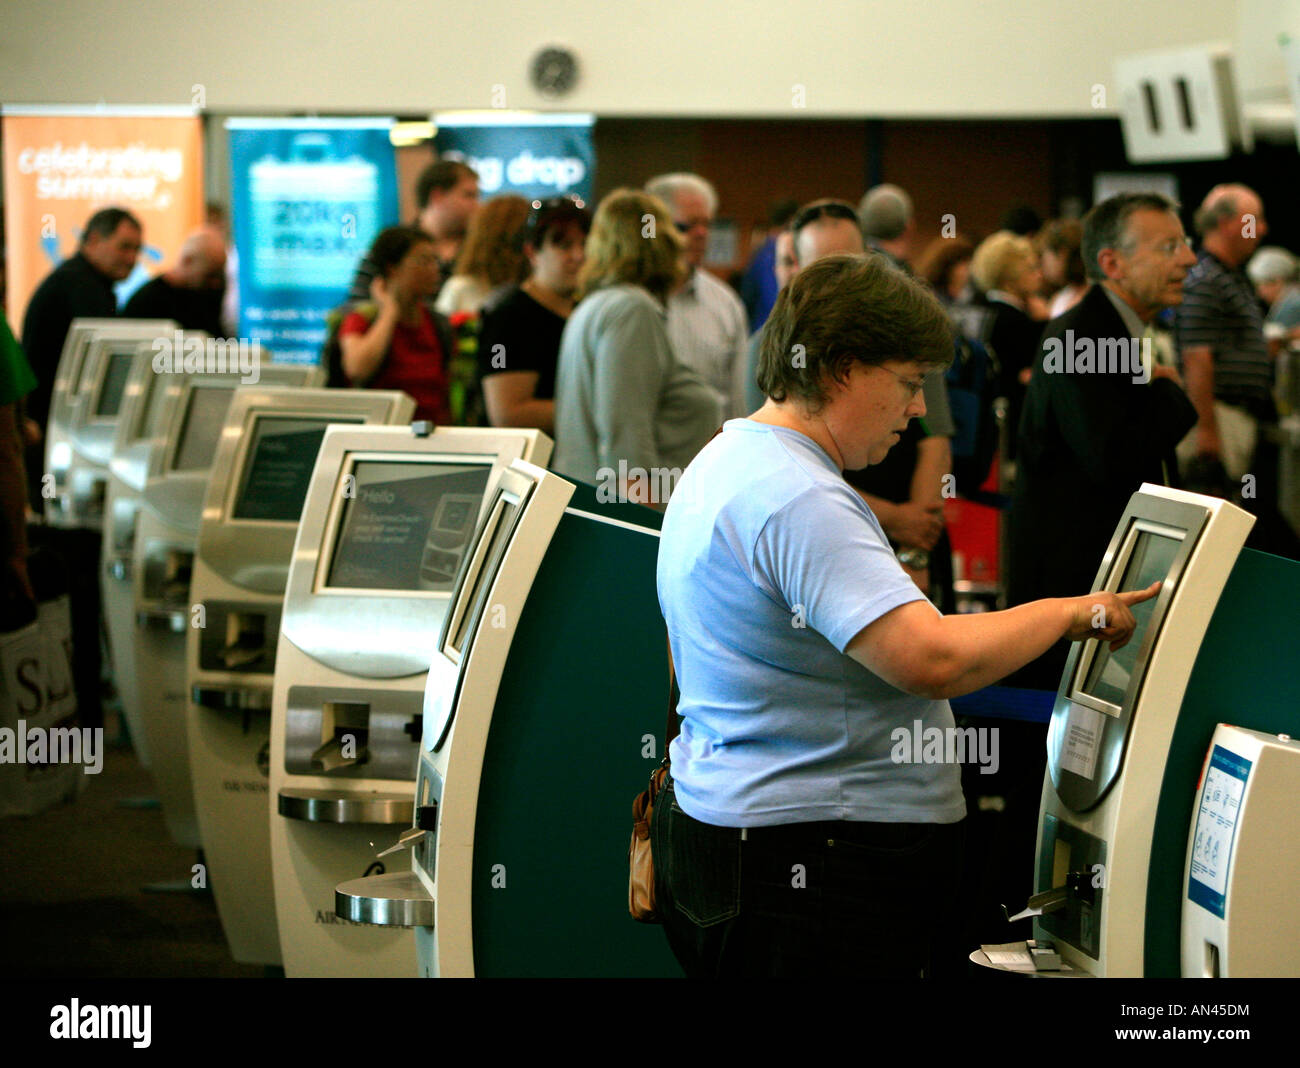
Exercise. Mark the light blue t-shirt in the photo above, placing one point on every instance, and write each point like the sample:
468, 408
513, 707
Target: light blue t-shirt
769, 565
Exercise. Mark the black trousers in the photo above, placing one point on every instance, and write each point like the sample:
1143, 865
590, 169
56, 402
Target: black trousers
809, 900
77, 553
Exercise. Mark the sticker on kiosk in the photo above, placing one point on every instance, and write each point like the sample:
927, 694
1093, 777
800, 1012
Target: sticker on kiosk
1216, 826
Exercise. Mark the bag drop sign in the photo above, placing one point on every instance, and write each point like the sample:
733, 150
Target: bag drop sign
548, 156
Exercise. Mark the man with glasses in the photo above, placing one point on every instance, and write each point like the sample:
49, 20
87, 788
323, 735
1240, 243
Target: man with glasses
447, 194
706, 320
1090, 435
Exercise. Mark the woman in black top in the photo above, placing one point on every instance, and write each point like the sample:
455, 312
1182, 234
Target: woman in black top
519, 343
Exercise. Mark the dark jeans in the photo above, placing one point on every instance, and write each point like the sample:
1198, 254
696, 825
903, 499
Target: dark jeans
815, 900
78, 553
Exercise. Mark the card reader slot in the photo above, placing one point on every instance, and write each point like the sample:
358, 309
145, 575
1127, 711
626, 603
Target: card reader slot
167, 576
245, 640
345, 730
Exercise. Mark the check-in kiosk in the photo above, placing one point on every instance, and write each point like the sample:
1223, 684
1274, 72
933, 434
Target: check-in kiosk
260, 476
67, 381
136, 439
1130, 728
189, 423
543, 716
385, 528
1243, 860
96, 363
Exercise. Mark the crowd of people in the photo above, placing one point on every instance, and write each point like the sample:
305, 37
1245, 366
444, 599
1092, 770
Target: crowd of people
808, 435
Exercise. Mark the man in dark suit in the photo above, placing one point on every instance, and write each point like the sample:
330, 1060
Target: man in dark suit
1100, 417
82, 285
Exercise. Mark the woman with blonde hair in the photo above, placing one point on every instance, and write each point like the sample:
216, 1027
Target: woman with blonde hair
492, 256
1007, 272
629, 416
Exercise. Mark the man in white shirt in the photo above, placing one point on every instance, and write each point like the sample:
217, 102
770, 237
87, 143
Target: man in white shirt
706, 320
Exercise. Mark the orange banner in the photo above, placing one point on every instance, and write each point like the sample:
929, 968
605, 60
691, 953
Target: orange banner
61, 167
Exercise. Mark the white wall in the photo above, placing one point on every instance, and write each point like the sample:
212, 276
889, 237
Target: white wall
1261, 71
886, 58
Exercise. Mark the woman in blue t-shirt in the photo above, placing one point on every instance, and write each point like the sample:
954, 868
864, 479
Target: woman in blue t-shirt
813, 821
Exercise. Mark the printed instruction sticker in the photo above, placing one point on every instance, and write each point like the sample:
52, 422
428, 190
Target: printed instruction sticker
1082, 740
1216, 827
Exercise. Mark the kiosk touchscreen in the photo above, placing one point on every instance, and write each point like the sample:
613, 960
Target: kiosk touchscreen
1129, 728
546, 695
88, 391
1243, 860
135, 439
188, 428
263, 466
388, 520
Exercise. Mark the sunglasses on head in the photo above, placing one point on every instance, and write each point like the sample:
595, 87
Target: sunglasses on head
550, 204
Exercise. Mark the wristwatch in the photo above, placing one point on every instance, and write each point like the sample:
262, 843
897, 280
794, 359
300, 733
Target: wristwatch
916, 559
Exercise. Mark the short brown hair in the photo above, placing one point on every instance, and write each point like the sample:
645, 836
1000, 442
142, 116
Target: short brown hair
940, 258
843, 310
444, 175
633, 240
391, 245
1064, 237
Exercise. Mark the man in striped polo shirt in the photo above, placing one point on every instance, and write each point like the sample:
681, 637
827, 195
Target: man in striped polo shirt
1219, 331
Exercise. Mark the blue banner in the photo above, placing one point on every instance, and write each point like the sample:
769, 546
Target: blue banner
535, 156
308, 197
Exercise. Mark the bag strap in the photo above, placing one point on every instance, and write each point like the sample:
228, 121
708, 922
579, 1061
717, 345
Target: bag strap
671, 727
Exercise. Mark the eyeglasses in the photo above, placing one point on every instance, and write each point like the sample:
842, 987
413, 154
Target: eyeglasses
912, 386
831, 209
685, 226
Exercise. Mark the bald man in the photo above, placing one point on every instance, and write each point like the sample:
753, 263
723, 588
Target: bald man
885, 215
190, 291
1219, 331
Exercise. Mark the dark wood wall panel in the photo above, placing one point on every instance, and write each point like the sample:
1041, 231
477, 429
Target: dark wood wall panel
974, 170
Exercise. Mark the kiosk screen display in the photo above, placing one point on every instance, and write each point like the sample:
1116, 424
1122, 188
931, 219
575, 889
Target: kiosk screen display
1149, 561
204, 418
82, 380
145, 406
485, 572
278, 466
406, 525
110, 393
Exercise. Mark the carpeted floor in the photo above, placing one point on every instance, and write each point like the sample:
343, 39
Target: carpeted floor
71, 897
